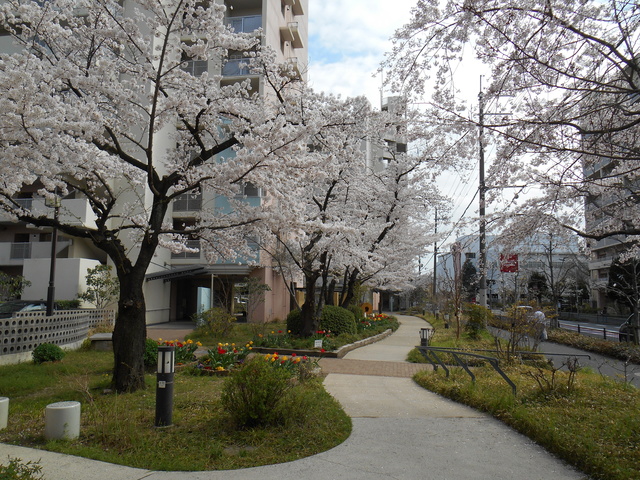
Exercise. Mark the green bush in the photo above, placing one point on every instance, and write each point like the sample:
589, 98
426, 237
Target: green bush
477, 319
150, 353
358, 313
17, 470
216, 322
251, 394
337, 320
294, 322
68, 304
47, 352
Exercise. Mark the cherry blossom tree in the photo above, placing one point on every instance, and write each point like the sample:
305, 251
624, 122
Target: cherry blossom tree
567, 72
355, 219
96, 102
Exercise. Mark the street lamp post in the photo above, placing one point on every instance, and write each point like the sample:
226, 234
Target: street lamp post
55, 203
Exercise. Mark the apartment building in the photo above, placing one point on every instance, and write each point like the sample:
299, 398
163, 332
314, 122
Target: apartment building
599, 210
178, 285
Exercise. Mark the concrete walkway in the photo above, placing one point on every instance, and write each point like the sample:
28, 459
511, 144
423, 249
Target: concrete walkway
400, 431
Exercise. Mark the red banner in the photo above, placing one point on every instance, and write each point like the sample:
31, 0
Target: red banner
509, 263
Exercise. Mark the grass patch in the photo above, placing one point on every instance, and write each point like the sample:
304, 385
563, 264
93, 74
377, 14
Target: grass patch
624, 351
119, 428
589, 421
594, 426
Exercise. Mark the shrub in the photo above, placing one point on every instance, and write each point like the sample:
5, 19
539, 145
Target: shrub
252, 393
17, 470
477, 319
68, 304
216, 322
150, 353
358, 313
47, 352
294, 322
337, 320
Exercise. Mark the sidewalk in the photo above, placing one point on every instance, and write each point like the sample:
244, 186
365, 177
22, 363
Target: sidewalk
400, 431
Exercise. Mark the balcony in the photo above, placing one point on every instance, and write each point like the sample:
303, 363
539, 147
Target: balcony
295, 5
236, 67
73, 211
196, 67
292, 63
290, 33
15, 253
246, 24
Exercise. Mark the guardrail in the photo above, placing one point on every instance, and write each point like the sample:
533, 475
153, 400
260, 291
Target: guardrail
606, 334
456, 354
428, 351
23, 332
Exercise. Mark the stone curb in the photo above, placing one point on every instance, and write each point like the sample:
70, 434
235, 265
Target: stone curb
341, 352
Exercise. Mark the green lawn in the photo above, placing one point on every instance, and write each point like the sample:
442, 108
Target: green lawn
120, 428
590, 421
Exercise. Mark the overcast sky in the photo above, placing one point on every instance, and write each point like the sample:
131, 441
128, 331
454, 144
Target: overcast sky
347, 42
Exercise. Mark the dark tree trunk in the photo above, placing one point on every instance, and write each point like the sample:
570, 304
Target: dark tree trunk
130, 332
309, 308
331, 289
129, 336
350, 288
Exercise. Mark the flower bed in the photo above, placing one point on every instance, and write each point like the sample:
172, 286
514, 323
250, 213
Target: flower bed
220, 360
282, 341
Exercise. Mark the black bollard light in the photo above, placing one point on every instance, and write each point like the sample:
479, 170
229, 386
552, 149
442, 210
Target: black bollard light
425, 336
164, 386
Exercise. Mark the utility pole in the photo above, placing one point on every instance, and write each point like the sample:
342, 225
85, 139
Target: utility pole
482, 263
435, 259
482, 190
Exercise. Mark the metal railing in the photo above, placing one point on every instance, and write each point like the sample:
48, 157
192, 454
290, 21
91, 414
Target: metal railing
603, 332
428, 352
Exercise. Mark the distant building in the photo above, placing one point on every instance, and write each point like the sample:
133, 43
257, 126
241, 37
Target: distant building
560, 261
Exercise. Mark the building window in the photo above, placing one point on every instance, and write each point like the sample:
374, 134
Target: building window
193, 255
235, 66
195, 67
245, 24
188, 202
249, 190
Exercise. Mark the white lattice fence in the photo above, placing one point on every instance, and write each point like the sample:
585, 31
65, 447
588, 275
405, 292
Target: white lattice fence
25, 331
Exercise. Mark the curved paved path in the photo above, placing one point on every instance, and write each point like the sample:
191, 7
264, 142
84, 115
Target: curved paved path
400, 431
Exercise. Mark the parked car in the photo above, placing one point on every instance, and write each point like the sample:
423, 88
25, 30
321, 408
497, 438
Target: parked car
625, 332
7, 309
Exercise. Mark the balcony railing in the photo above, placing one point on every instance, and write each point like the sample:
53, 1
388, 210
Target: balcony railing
196, 67
296, 6
76, 211
186, 255
246, 24
13, 253
290, 33
235, 67
20, 250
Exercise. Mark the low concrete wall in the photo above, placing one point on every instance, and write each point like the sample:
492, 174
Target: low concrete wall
20, 334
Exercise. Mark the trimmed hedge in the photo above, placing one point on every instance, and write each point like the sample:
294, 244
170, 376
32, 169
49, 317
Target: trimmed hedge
337, 320
294, 322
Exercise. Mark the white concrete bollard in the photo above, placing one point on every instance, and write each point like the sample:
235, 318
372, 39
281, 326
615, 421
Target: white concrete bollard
4, 412
62, 421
